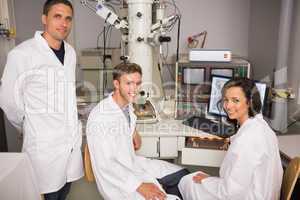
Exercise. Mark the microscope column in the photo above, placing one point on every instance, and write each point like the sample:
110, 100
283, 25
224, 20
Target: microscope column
140, 52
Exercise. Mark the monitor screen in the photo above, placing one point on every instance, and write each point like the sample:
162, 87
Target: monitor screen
227, 72
217, 83
193, 75
214, 105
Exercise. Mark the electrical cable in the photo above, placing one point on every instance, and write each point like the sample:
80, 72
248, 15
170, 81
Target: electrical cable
98, 38
109, 33
104, 81
178, 38
221, 125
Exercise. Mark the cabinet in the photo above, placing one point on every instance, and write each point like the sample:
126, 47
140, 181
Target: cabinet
159, 147
202, 157
150, 147
165, 147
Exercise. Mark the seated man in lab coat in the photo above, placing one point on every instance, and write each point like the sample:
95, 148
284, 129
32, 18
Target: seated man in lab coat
112, 140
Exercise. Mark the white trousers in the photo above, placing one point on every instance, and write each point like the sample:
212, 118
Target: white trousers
193, 191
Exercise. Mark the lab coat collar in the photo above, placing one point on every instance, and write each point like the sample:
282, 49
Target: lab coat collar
38, 36
130, 108
44, 44
245, 124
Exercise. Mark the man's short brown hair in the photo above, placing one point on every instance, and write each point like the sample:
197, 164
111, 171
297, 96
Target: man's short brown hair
49, 3
126, 68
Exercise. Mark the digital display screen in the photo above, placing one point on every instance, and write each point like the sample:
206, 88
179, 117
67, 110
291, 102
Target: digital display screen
193, 75
227, 72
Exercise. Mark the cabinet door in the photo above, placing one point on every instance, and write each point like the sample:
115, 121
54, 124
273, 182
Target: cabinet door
150, 147
202, 157
168, 147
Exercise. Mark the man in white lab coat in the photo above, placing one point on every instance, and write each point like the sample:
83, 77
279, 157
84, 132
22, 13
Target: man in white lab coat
251, 169
38, 96
112, 140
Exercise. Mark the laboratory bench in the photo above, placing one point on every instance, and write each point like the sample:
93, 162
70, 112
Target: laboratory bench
171, 139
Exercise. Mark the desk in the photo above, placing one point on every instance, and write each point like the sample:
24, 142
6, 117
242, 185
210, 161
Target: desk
17, 178
166, 139
289, 147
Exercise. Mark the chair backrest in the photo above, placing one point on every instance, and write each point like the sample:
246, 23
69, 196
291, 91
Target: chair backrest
89, 175
290, 177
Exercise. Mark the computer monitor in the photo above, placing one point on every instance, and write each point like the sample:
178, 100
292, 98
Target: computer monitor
215, 107
227, 72
193, 75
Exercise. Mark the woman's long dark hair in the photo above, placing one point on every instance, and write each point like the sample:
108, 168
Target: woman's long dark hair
250, 91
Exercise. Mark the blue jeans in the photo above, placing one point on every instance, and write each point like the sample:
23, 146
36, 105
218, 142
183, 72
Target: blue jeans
170, 182
61, 194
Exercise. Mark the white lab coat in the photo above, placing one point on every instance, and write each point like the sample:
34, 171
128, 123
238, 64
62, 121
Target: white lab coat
251, 169
37, 95
118, 170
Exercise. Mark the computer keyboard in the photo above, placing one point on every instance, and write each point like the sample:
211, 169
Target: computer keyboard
209, 126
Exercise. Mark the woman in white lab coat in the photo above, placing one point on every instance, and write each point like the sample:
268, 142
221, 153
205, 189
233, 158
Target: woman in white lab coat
38, 96
251, 169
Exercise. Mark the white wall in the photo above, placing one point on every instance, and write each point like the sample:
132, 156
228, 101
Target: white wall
87, 27
28, 18
263, 37
225, 21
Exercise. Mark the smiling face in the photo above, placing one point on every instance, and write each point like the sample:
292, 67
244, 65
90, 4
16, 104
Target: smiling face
127, 88
236, 104
57, 23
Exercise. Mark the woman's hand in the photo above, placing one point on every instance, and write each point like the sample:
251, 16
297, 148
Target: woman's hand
199, 177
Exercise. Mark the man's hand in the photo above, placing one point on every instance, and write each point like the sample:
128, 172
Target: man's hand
137, 141
199, 177
150, 191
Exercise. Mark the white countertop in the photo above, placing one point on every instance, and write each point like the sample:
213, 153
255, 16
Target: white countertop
289, 145
170, 127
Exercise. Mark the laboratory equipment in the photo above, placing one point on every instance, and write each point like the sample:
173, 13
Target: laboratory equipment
145, 112
215, 105
193, 40
193, 75
144, 109
210, 126
142, 36
193, 91
210, 55
227, 72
